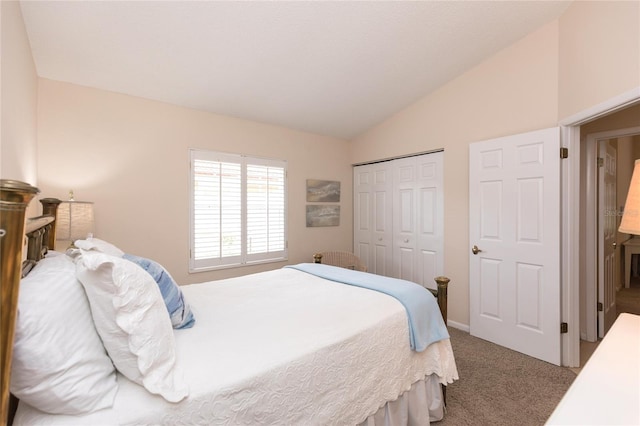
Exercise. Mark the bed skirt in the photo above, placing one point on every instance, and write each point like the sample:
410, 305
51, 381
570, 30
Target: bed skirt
420, 405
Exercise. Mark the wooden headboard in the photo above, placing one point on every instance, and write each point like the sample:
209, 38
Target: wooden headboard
40, 234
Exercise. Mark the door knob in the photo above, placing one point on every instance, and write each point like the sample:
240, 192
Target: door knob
614, 244
475, 249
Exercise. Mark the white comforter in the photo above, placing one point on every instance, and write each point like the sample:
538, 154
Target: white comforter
281, 347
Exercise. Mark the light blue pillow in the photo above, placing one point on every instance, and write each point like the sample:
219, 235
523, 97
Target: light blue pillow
179, 309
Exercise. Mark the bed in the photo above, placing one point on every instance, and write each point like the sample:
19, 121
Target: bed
280, 347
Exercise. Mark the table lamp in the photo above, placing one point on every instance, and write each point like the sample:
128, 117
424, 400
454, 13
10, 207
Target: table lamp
75, 220
630, 223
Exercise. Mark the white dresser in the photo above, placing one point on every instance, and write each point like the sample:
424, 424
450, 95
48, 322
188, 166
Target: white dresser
607, 390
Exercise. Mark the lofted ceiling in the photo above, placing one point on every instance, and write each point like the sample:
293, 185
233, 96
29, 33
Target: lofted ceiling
327, 67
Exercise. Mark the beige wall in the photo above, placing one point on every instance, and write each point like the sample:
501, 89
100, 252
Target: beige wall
18, 101
588, 56
599, 53
130, 157
626, 118
514, 91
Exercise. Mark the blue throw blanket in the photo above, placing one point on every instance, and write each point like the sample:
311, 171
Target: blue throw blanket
426, 325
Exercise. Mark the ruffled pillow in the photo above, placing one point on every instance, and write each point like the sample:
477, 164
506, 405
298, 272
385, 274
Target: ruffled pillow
132, 321
98, 245
179, 310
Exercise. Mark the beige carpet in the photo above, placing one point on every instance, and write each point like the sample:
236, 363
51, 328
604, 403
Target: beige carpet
499, 386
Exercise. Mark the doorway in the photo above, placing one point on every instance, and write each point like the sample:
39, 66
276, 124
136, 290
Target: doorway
605, 246
573, 221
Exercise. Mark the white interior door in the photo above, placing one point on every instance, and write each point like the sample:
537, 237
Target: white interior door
514, 231
373, 212
607, 233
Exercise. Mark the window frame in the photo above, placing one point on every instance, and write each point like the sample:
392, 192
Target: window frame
244, 258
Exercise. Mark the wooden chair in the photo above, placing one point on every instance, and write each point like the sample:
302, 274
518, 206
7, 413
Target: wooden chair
342, 259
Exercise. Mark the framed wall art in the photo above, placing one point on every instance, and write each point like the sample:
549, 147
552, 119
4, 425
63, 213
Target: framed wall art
323, 191
322, 215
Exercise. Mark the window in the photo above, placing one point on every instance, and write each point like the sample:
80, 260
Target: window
238, 210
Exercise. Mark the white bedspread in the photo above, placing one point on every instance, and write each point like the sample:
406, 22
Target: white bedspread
281, 347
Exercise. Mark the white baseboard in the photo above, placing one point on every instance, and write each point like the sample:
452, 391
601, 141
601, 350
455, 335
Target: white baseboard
459, 326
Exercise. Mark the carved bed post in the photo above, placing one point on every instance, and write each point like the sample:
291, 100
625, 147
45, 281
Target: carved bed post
50, 208
441, 295
14, 198
443, 285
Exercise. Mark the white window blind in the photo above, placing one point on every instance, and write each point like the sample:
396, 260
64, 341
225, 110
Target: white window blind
238, 210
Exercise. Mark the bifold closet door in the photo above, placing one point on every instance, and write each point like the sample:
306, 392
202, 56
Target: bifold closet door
373, 212
418, 218
399, 217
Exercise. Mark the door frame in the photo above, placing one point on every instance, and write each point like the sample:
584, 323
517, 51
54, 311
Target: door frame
591, 237
570, 138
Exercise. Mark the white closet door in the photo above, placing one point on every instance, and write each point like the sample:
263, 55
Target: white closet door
404, 219
399, 217
418, 242
373, 212
430, 232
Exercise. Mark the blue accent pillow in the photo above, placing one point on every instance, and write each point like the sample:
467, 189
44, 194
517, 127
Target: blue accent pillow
179, 309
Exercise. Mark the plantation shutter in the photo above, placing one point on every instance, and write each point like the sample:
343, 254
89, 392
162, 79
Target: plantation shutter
238, 210
265, 210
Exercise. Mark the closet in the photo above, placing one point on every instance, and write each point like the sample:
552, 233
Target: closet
399, 217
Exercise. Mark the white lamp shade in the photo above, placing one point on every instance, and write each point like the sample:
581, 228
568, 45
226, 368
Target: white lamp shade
75, 220
630, 223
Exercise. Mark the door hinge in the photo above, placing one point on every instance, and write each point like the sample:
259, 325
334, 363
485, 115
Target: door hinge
600, 161
600, 307
564, 153
564, 327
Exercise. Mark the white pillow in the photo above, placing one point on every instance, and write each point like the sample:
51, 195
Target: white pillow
132, 321
59, 363
98, 245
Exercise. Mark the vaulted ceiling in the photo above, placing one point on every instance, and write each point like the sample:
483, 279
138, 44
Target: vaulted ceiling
332, 68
